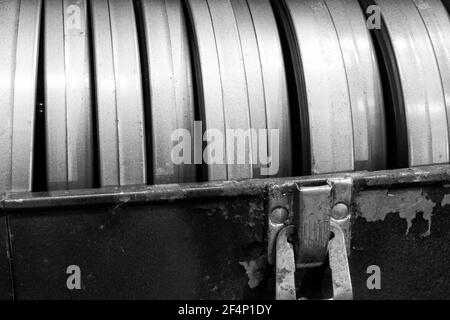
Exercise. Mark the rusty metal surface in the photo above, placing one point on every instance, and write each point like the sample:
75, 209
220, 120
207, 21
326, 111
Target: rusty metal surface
313, 228
342, 284
209, 240
285, 266
426, 175
277, 199
6, 285
197, 251
413, 261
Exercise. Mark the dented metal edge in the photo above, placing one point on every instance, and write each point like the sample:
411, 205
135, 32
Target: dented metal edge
338, 255
285, 266
413, 177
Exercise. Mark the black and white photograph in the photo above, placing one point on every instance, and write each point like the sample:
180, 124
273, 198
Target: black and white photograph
225, 154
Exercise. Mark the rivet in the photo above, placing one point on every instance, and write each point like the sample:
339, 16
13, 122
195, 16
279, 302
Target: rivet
279, 215
340, 211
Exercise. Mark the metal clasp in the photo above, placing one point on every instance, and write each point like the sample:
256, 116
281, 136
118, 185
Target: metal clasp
307, 224
286, 266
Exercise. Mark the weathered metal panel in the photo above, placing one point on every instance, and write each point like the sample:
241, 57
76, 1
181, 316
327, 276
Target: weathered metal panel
208, 241
137, 252
409, 242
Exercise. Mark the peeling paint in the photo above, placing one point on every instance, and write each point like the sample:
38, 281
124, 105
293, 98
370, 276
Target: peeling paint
446, 200
255, 270
377, 204
214, 209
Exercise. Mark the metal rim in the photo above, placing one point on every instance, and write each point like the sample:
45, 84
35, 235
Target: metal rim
171, 90
19, 39
414, 76
323, 91
364, 83
9, 15
437, 22
223, 93
68, 96
234, 86
209, 87
240, 42
274, 81
120, 107
253, 73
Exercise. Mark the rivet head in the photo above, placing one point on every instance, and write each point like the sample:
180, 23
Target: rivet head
279, 215
340, 211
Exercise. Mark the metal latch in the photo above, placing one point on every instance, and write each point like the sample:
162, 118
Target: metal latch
307, 225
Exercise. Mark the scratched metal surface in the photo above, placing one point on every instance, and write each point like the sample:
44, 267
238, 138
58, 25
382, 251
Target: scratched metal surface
207, 241
6, 292
142, 252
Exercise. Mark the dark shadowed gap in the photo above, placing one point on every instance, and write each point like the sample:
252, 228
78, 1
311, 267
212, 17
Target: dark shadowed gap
394, 105
39, 173
145, 73
298, 108
201, 169
95, 134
